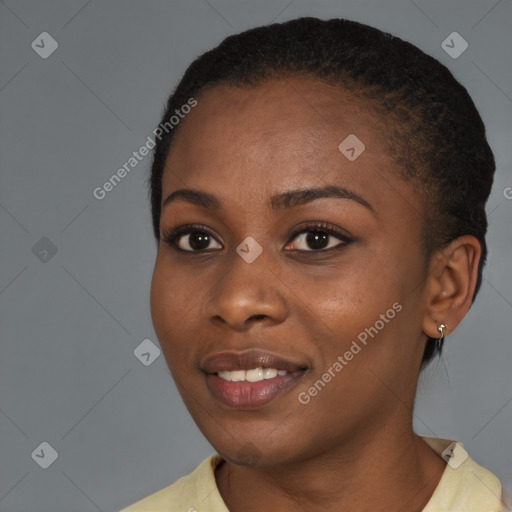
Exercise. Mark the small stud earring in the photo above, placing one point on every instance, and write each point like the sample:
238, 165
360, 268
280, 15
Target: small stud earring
440, 340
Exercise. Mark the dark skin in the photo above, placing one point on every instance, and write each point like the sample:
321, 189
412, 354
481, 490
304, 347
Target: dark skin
352, 446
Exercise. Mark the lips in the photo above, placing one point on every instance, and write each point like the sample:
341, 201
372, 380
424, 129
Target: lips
245, 393
230, 361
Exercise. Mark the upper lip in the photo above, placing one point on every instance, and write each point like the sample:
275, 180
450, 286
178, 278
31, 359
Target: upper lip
246, 360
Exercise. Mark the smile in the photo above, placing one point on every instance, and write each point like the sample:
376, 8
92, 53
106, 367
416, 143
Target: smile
253, 375
250, 379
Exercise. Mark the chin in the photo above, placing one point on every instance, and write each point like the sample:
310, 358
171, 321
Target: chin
248, 454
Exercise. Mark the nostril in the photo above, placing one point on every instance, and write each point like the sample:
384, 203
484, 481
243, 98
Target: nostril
257, 317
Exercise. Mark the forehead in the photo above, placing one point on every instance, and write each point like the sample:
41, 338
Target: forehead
255, 141
287, 108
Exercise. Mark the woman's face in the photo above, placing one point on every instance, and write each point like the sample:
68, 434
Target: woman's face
338, 307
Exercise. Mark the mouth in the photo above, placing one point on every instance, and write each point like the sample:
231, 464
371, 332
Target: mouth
252, 375
250, 379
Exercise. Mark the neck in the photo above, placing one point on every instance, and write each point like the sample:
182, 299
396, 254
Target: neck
383, 470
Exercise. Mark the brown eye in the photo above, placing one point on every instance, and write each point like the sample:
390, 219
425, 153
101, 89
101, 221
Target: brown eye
318, 237
191, 239
317, 240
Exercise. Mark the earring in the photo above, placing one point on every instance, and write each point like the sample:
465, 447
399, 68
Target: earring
440, 340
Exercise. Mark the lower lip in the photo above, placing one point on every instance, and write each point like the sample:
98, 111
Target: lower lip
251, 394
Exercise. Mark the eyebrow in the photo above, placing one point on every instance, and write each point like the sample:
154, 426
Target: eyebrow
284, 200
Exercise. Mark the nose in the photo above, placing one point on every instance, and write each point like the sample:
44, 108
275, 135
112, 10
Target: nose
247, 293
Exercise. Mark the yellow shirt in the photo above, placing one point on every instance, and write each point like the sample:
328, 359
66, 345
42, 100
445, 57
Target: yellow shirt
465, 486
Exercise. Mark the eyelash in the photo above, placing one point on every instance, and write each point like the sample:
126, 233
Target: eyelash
171, 237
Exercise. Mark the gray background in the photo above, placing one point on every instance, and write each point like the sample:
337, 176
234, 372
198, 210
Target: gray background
70, 321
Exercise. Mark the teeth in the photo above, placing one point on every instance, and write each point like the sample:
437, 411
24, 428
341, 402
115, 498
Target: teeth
225, 375
237, 376
269, 373
253, 375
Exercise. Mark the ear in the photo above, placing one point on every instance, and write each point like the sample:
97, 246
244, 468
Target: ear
451, 282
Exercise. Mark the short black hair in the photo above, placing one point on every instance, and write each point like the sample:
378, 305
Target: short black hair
436, 135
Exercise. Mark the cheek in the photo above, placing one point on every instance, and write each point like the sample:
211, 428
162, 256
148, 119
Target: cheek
171, 303
376, 322
159, 300
361, 314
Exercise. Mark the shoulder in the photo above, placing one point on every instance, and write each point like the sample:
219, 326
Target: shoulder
464, 485
191, 493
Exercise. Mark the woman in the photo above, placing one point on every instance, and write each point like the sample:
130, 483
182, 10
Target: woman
319, 208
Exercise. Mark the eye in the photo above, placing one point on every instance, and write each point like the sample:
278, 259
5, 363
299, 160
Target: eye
319, 236
191, 238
